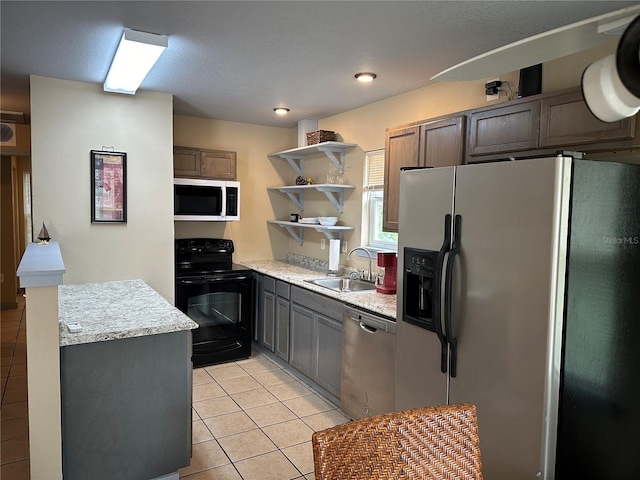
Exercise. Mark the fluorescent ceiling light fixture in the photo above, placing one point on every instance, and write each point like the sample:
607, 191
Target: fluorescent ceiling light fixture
281, 110
365, 76
137, 53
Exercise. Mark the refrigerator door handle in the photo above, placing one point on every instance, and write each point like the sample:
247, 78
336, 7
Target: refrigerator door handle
437, 289
453, 343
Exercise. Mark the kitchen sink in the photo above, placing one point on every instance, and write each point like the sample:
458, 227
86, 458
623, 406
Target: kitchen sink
343, 284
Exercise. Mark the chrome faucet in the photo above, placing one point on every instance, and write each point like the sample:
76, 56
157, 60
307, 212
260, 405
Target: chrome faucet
369, 277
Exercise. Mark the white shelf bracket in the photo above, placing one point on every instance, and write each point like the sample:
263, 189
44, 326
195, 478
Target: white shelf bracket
331, 235
296, 162
297, 197
297, 236
330, 153
335, 196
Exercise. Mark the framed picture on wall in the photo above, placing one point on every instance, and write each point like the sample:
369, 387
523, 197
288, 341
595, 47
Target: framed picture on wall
108, 187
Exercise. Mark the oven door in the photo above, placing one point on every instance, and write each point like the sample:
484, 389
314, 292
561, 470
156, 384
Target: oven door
222, 306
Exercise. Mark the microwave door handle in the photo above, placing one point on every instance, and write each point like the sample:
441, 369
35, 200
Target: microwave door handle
223, 212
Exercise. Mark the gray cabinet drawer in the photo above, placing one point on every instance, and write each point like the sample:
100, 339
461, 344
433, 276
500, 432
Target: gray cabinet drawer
270, 284
283, 289
319, 303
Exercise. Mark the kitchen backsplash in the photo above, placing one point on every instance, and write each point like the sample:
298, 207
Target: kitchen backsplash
315, 264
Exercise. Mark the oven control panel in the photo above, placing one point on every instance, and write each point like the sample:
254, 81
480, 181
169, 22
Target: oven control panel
204, 245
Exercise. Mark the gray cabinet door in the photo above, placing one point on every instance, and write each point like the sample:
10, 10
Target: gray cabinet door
257, 321
282, 328
268, 319
302, 327
328, 347
126, 407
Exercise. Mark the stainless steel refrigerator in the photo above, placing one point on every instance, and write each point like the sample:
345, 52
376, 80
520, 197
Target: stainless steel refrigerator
519, 291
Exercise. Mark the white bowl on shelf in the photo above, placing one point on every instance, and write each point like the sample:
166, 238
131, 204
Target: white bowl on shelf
328, 221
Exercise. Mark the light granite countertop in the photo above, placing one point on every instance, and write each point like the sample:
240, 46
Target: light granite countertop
371, 300
115, 310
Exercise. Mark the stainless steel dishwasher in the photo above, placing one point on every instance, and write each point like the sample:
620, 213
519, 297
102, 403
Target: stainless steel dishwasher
368, 364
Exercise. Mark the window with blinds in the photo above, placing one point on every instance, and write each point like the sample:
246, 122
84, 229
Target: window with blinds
372, 204
374, 170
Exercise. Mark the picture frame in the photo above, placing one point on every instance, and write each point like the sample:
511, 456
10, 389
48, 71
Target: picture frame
108, 187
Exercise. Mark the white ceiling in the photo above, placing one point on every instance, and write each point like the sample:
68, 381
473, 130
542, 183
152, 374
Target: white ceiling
237, 60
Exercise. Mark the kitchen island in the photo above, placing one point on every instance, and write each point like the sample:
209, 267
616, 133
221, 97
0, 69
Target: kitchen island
125, 382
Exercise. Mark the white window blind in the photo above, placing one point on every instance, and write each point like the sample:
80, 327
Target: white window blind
374, 171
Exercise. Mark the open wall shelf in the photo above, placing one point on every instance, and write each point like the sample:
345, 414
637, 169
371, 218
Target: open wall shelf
334, 151
334, 192
296, 230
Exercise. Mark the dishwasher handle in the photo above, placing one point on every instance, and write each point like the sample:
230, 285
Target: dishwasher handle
367, 328
368, 322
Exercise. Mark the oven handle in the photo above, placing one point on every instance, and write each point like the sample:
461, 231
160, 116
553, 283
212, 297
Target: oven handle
211, 280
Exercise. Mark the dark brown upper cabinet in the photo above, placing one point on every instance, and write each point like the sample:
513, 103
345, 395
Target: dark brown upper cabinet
436, 143
203, 163
565, 120
401, 149
502, 129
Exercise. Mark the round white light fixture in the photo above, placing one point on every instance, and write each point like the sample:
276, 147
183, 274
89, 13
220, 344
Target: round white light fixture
611, 85
365, 77
281, 110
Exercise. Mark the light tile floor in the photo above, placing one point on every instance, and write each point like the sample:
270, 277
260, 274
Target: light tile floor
252, 419
14, 415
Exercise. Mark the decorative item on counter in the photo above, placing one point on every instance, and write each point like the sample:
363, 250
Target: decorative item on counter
300, 180
309, 181
389, 261
294, 217
43, 236
320, 136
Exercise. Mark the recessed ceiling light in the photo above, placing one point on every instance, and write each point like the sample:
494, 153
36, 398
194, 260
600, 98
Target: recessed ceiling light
365, 76
281, 110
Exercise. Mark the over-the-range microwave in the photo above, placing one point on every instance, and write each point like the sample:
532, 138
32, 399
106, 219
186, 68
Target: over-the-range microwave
199, 200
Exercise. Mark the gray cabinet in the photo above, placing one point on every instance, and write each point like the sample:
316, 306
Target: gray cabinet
126, 407
316, 338
274, 320
328, 354
282, 327
302, 327
269, 322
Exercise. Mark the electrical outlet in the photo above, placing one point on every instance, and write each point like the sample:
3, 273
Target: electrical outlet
497, 95
322, 244
344, 246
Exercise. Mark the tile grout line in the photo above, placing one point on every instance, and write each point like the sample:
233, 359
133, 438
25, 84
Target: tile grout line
252, 375
21, 317
258, 427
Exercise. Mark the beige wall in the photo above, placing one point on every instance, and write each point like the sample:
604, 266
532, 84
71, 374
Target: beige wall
253, 239
68, 120
43, 360
364, 126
